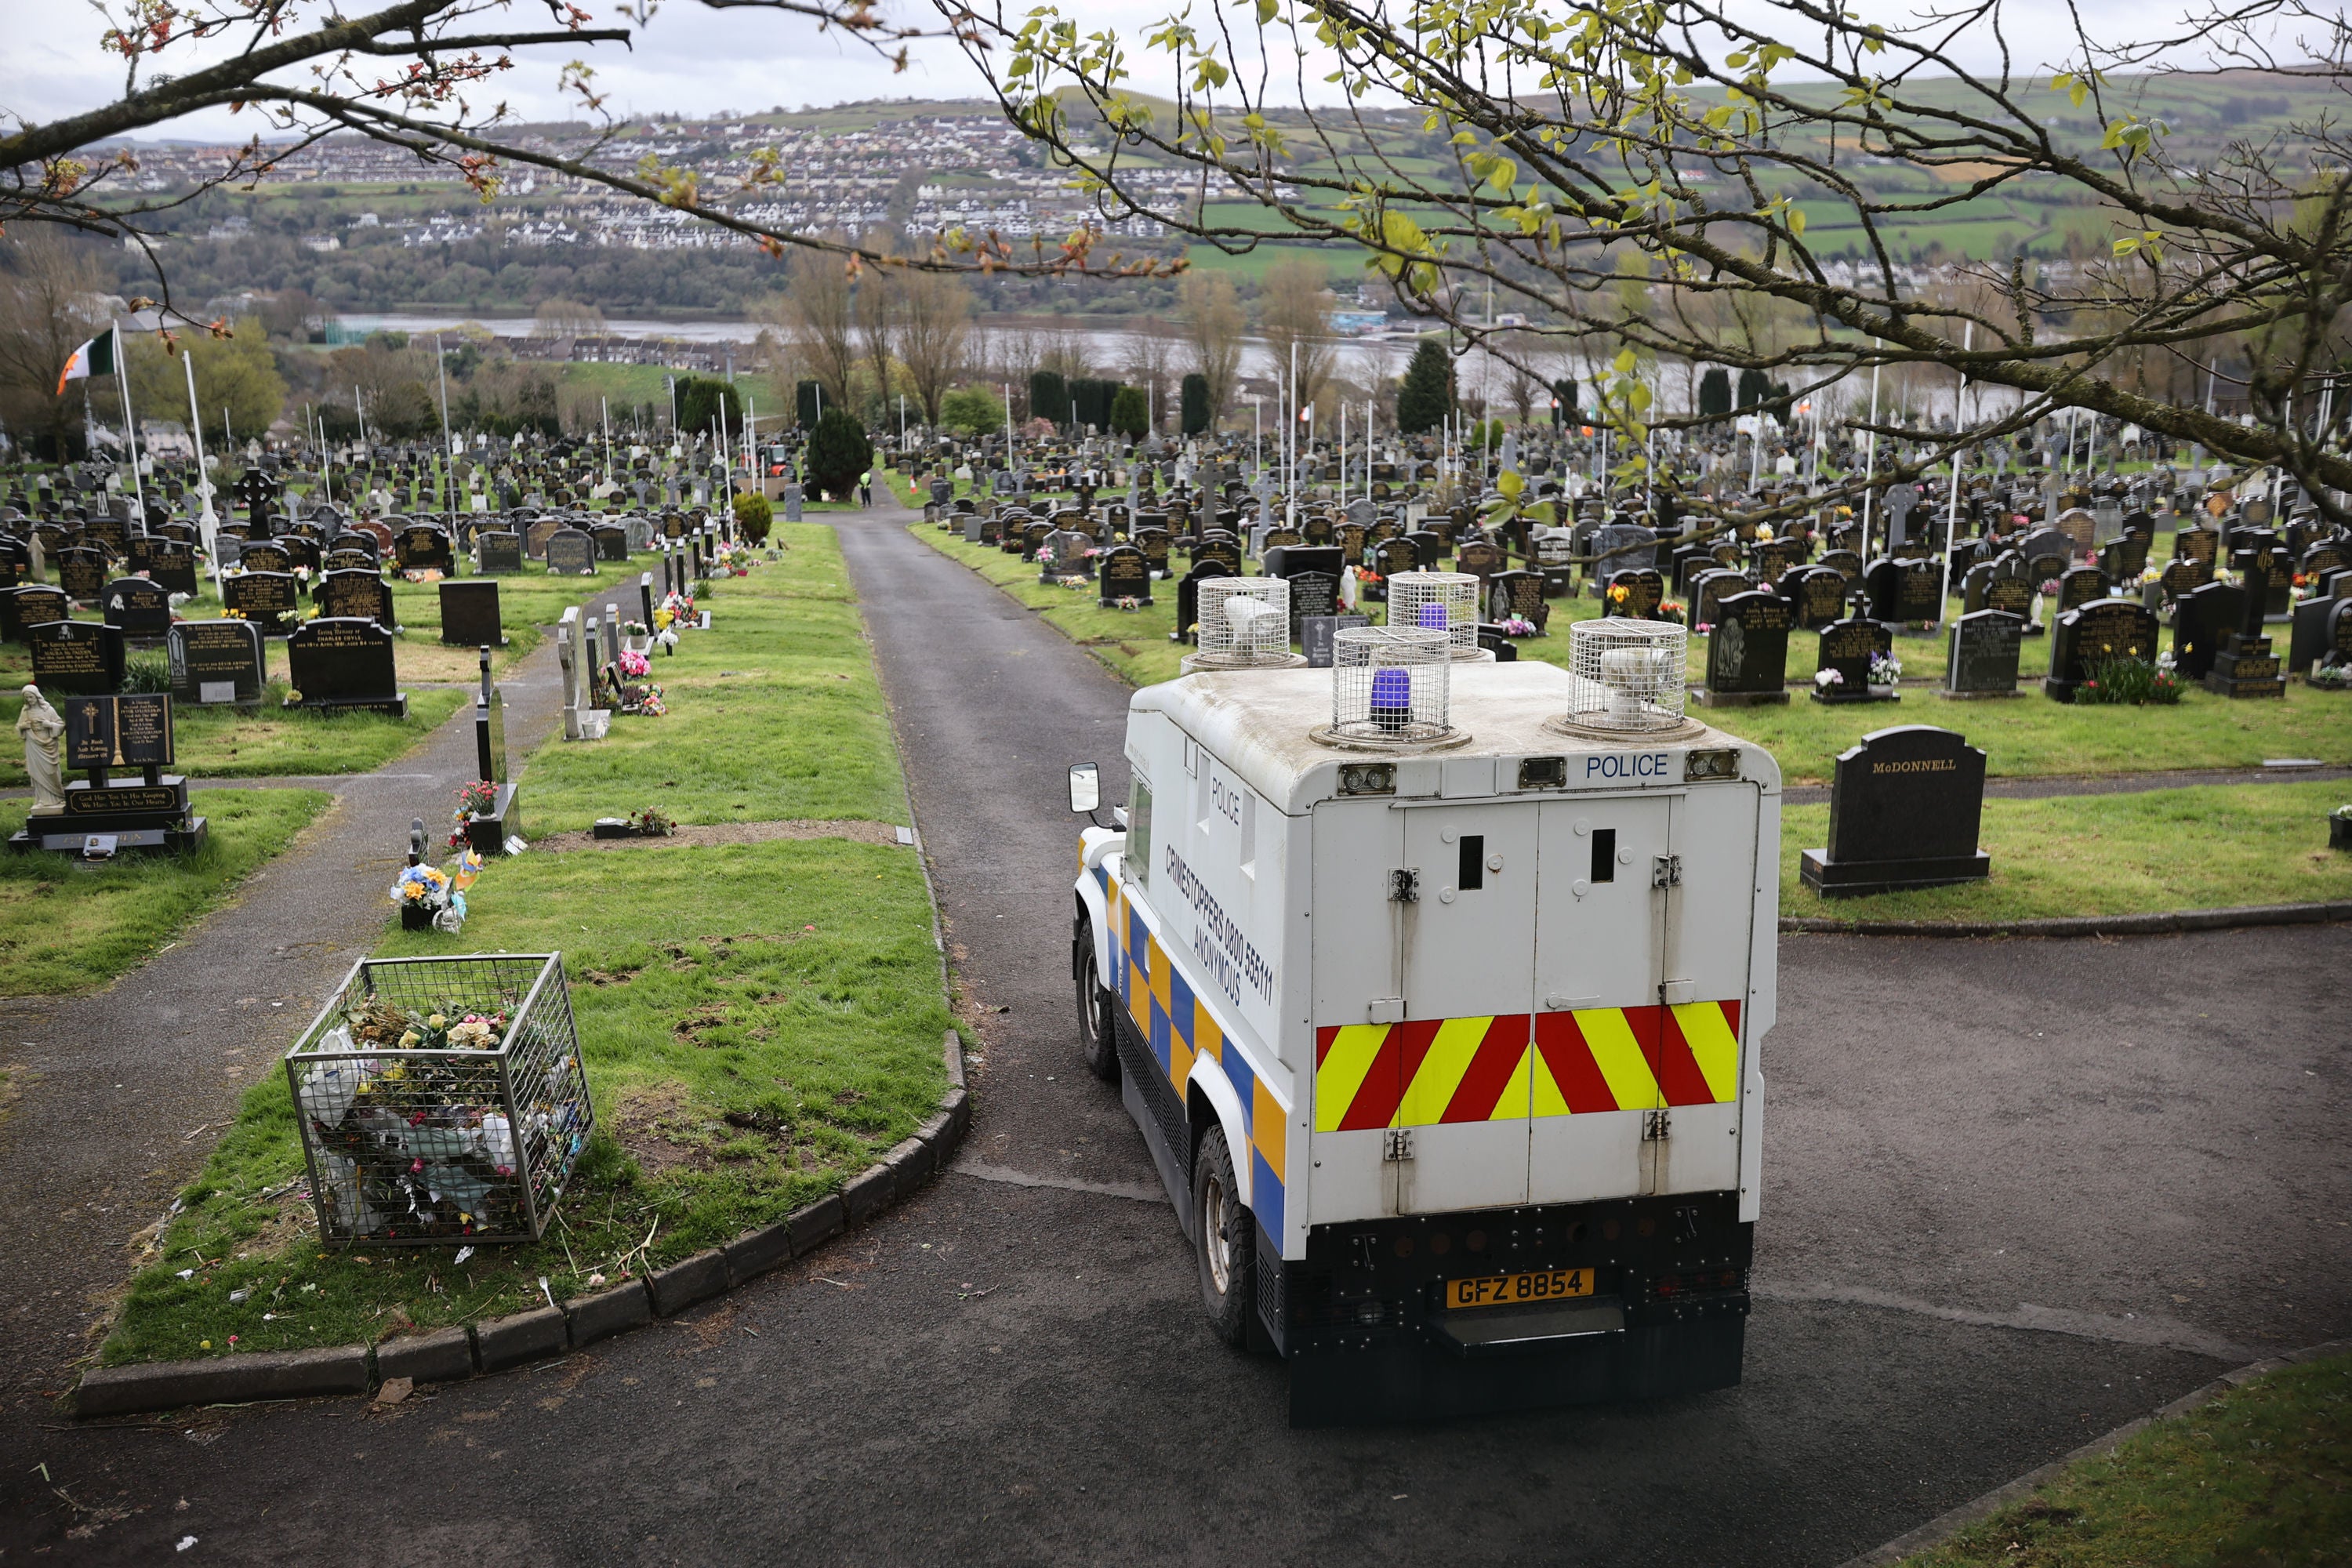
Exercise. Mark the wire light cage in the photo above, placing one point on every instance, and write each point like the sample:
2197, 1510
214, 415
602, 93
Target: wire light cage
1245, 625
1390, 686
1628, 676
1441, 601
442, 1099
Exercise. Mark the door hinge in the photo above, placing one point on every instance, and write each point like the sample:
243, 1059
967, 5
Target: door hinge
1397, 1144
1656, 1127
1666, 871
1404, 886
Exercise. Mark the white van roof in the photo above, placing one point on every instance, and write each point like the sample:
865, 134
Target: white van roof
1260, 724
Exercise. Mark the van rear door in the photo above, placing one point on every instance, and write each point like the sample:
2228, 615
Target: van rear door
1462, 1061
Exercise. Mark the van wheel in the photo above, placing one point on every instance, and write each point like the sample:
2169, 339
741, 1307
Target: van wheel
1228, 1242
1097, 1023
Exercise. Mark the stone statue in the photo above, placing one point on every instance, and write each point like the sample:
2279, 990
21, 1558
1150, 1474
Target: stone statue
44, 732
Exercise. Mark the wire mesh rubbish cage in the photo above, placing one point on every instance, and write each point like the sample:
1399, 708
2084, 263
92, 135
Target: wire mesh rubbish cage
1244, 621
1437, 601
1628, 675
442, 1099
1391, 684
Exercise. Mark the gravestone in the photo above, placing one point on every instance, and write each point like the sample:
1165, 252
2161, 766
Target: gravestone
138, 607
1904, 592
571, 552
1848, 646
2080, 586
2085, 637
496, 551
104, 734
1711, 587
612, 542
80, 659
469, 614
81, 573
489, 832
1983, 654
356, 593
1521, 593
1124, 574
1816, 595
215, 663
268, 599
2201, 620
1317, 635
30, 605
1747, 652
168, 564
2309, 639
1906, 805
1188, 597
424, 547
341, 663
1646, 590
269, 556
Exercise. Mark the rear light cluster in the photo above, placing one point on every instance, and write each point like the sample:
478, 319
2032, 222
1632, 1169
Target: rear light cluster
1704, 1279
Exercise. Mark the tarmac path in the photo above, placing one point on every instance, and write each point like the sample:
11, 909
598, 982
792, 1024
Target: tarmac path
2017, 1193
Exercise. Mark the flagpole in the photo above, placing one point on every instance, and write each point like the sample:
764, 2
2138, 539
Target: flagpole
207, 521
129, 424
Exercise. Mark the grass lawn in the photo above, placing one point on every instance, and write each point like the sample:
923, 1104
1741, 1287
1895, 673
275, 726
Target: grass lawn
2025, 736
63, 929
2208, 848
774, 713
758, 1021
2263, 1474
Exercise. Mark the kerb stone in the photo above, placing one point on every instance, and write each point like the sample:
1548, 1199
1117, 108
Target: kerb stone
528, 1336
688, 1281
437, 1357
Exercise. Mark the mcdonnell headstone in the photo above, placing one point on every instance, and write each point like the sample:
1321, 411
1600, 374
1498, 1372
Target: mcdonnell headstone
1906, 805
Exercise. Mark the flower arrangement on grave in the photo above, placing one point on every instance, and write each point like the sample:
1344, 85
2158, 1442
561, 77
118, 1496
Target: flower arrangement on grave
1127, 602
443, 894
1669, 610
651, 824
2133, 681
2330, 676
1885, 670
632, 663
1044, 555
473, 799
421, 575
1619, 594
1828, 680
1516, 626
641, 697
1074, 581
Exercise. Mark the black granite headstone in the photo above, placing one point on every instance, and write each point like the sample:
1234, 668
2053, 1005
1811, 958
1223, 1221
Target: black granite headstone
1124, 574
469, 614
268, 599
2083, 638
1188, 597
215, 662
1906, 805
496, 551
362, 594
1747, 651
424, 546
140, 607
1983, 654
1848, 646
1318, 635
337, 662
80, 659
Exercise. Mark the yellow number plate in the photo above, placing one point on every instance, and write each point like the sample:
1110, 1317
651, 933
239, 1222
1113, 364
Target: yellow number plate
1507, 1290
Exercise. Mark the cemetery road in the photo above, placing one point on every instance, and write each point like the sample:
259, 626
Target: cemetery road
2017, 1193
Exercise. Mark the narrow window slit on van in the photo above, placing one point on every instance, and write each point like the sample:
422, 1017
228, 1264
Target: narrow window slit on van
1604, 855
1472, 873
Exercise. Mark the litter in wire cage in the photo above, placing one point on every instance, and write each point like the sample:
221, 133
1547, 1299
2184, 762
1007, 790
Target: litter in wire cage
442, 1099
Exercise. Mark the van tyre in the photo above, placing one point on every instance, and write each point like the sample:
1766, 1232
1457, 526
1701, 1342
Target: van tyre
1228, 1242
1097, 1021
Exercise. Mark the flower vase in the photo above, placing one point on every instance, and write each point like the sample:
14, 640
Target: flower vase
415, 916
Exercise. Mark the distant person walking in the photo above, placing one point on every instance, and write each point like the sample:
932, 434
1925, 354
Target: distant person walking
866, 489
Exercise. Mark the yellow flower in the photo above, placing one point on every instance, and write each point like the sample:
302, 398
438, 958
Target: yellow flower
409, 1040
434, 1021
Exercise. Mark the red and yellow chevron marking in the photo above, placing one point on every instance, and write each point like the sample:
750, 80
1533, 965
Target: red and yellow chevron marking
1506, 1067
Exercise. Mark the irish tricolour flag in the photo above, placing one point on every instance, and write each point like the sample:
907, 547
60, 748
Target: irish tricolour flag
99, 356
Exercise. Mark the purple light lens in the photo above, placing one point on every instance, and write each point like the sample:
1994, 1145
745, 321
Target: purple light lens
1433, 617
1391, 688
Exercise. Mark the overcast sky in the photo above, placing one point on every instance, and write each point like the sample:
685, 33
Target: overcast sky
692, 60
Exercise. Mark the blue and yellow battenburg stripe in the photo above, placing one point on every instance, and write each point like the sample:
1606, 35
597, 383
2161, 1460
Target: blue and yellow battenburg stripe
1181, 1029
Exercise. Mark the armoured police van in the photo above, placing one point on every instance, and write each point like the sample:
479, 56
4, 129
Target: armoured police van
1436, 988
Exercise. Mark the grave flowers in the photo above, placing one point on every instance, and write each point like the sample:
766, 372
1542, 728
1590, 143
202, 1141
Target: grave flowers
1516, 626
478, 798
1885, 671
431, 897
2330, 677
1828, 680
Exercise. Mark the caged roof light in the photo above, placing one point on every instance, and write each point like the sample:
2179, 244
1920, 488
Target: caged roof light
1438, 601
1391, 689
1628, 676
1245, 625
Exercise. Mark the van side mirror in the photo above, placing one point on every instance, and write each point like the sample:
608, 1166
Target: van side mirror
1086, 787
